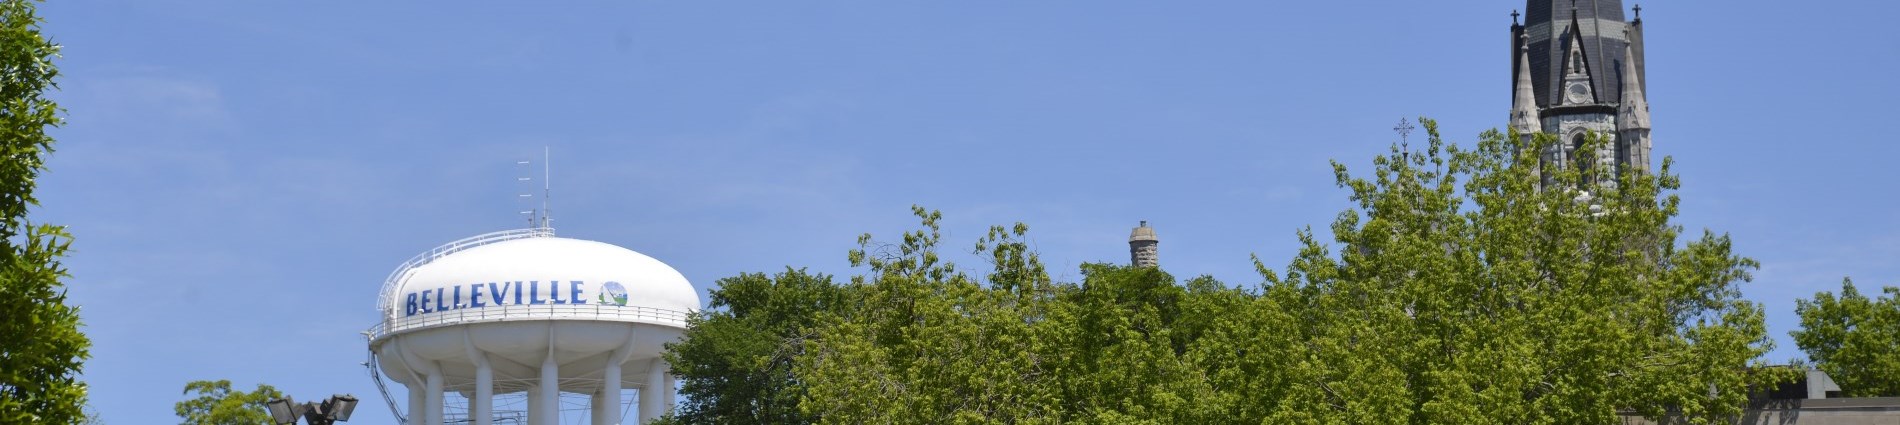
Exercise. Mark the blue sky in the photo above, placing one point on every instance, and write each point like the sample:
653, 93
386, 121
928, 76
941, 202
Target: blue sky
242, 175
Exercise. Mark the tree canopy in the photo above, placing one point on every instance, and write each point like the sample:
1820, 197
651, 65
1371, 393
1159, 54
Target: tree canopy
41, 347
1463, 286
735, 360
1468, 290
217, 404
1854, 339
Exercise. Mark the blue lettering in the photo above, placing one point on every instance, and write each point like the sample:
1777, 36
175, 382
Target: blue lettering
493, 294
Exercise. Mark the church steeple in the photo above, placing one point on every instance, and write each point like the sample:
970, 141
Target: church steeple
1632, 118
1577, 70
1553, 27
1635, 110
1524, 99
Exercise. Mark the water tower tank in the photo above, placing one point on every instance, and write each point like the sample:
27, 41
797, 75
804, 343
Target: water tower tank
504, 325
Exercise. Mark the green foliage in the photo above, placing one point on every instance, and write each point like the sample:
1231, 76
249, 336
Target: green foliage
41, 347
1470, 287
1853, 339
1565, 302
925, 341
1123, 338
217, 404
734, 363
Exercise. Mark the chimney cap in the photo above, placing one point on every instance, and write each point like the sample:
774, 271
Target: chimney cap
1143, 233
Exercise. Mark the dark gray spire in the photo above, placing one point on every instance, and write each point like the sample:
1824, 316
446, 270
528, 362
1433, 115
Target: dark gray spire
1600, 30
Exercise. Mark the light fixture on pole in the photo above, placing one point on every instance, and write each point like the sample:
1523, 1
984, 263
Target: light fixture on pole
337, 408
284, 411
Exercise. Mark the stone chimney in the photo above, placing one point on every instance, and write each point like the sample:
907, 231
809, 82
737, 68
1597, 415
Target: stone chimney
1143, 248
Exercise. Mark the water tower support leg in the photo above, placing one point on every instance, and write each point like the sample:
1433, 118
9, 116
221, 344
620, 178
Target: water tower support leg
593, 407
481, 409
418, 403
534, 405
652, 398
607, 401
672, 388
433, 406
550, 392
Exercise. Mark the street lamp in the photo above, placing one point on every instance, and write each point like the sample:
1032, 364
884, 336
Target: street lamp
337, 408
283, 411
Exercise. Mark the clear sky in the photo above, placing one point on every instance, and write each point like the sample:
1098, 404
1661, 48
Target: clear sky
242, 175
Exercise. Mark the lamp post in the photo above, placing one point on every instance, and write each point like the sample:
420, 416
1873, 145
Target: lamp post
337, 408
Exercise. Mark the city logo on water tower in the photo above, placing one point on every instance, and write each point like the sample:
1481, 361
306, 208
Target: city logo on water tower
612, 292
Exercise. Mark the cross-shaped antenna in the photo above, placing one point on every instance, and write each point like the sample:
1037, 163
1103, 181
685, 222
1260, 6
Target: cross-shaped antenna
1405, 133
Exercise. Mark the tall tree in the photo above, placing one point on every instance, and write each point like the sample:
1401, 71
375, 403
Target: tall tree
1468, 290
1853, 339
41, 347
735, 360
926, 341
218, 404
1119, 340
1468, 287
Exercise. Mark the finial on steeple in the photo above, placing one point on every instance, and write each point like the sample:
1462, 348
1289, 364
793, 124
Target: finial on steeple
1639, 11
1514, 16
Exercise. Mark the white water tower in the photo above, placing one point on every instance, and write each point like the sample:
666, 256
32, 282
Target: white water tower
501, 327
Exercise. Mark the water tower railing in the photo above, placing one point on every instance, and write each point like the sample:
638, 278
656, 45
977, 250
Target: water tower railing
500, 417
504, 313
388, 295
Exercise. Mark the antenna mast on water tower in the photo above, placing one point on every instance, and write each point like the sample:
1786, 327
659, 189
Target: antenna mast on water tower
542, 217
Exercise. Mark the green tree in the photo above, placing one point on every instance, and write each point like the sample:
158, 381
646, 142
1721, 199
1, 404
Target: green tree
1121, 338
1470, 287
218, 404
41, 347
735, 360
1853, 339
927, 342
1468, 291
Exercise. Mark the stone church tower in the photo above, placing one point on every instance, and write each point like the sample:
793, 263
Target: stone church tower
1578, 67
